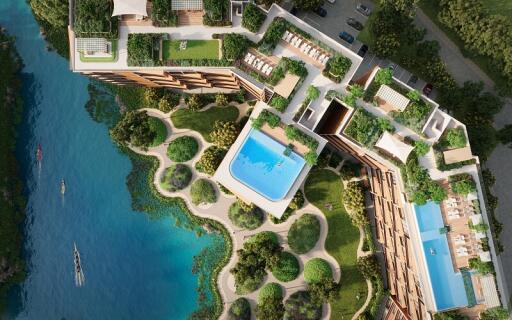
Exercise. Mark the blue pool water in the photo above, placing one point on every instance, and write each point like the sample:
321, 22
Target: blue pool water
136, 267
447, 285
261, 165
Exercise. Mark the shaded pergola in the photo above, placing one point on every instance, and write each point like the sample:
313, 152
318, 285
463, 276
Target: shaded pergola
130, 7
394, 146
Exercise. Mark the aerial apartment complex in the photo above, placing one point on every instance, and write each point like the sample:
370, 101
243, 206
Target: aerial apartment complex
433, 230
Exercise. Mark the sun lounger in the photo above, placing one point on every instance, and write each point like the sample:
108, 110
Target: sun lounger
260, 65
289, 37
324, 61
312, 52
462, 251
321, 58
317, 53
248, 57
269, 70
294, 40
264, 69
453, 217
285, 35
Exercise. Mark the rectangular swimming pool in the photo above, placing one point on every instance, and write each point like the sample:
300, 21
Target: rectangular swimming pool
261, 165
447, 285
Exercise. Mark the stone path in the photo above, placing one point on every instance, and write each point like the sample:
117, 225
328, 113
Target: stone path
219, 212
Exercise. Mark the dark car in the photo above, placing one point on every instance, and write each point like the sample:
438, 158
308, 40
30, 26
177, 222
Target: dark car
427, 89
412, 80
346, 36
355, 24
363, 9
320, 11
294, 11
362, 51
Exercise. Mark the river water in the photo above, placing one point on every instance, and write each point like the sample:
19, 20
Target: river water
135, 267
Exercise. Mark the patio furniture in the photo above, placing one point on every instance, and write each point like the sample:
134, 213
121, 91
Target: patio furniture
312, 52
260, 65
269, 70
265, 68
289, 37
462, 251
285, 35
251, 59
256, 62
297, 44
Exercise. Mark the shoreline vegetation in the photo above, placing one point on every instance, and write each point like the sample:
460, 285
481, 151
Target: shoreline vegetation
103, 107
12, 201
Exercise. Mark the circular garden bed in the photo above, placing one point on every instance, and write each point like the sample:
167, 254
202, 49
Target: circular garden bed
182, 149
202, 192
304, 233
245, 216
287, 268
317, 270
176, 177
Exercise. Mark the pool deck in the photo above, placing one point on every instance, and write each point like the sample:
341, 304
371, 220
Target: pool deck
223, 174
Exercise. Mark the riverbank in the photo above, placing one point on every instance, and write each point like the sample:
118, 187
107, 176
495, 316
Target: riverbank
12, 202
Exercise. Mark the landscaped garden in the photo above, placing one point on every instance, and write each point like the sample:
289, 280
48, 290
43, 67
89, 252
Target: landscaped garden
192, 50
182, 148
203, 121
304, 233
245, 216
160, 129
176, 177
202, 191
143, 49
93, 18
112, 58
364, 128
324, 189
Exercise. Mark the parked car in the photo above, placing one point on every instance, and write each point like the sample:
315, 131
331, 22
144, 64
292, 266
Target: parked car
355, 24
320, 11
392, 66
294, 11
427, 89
363, 9
346, 36
331, 1
362, 51
412, 80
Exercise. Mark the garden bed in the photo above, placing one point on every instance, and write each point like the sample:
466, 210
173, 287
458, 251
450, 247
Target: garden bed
195, 50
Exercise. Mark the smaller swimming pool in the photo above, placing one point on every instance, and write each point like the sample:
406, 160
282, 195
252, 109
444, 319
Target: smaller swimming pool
447, 285
261, 165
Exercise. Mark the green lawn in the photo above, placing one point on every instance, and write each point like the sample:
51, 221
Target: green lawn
102, 59
503, 7
196, 50
161, 131
324, 188
203, 121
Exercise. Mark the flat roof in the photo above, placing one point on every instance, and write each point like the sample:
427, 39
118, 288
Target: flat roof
125, 7
392, 97
457, 155
285, 87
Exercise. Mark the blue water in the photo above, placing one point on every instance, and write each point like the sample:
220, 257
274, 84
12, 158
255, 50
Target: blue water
447, 285
135, 267
261, 165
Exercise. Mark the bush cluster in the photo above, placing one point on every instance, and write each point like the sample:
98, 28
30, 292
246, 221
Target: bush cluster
253, 17
287, 268
247, 218
224, 133
300, 306
271, 290
353, 199
272, 36
234, 45
462, 183
182, 148
317, 270
304, 233
176, 177
210, 160
240, 309
266, 117
202, 192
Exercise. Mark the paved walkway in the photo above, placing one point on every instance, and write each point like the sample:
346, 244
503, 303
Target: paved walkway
219, 212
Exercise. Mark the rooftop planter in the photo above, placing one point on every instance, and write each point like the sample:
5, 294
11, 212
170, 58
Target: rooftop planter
337, 67
162, 15
144, 49
216, 13
253, 18
93, 18
364, 128
272, 36
451, 139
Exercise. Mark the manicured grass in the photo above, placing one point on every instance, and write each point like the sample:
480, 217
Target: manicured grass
203, 121
161, 131
113, 58
324, 189
196, 50
304, 233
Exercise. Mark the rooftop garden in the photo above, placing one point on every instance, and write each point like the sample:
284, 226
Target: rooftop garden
234, 46
366, 128
291, 132
93, 18
272, 36
191, 49
162, 15
144, 49
462, 184
216, 13
418, 184
253, 17
337, 67
452, 138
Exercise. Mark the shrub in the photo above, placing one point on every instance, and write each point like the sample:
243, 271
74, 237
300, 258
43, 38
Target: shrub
240, 309
368, 266
252, 18
210, 160
247, 219
384, 76
182, 149
437, 192
296, 134
414, 115
497, 313
266, 117
134, 128
324, 291
279, 103
300, 306
353, 199
338, 66
270, 291
462, 184
350, 170
176, 177
456, 137
421, 147
481, 266
156, 125
141, 49
270, 309
311, 158
312, 93
202, 192
272, 36
234, 46
287, 268
304, 233
364, 128
224, 133
194, 102
221, 99
317, 270
297, 201
93, 17
162, 15
264, 236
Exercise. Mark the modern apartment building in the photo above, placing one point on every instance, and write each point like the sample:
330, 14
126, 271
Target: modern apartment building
429, 248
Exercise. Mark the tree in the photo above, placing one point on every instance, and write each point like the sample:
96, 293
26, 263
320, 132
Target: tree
311, 158
414, 95
224, 133
481, 266
304, 233
339, 65
279, 103
182, 148
247, 218
421, 147
353, 199
324, 291
270, 309
368, 266
194, 102
437, 192
55, 12
134, 129
357, 90
456, 137
297, 201
252, 18
287, 269
300, 306
210, 160
308, 4
404, 6
312, 93
240, 309
271, 290
386, 45
202, 192
221, 99
384, 76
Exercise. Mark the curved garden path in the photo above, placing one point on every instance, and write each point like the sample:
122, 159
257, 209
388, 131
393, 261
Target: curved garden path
219, 212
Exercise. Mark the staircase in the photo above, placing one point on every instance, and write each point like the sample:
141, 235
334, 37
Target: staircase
190, 18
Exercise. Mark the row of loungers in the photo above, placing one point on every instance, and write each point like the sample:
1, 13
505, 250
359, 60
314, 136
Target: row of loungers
305, 47
258, 64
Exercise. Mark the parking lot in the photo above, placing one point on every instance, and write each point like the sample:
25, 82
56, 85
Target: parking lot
335, 22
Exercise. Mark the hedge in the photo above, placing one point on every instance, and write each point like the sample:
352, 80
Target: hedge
317, 270
253, 18
182, 149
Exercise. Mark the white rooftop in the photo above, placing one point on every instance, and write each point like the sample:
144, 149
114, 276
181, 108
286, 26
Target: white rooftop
489, 291
393, 145
125, 7
392, 97
187, 4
